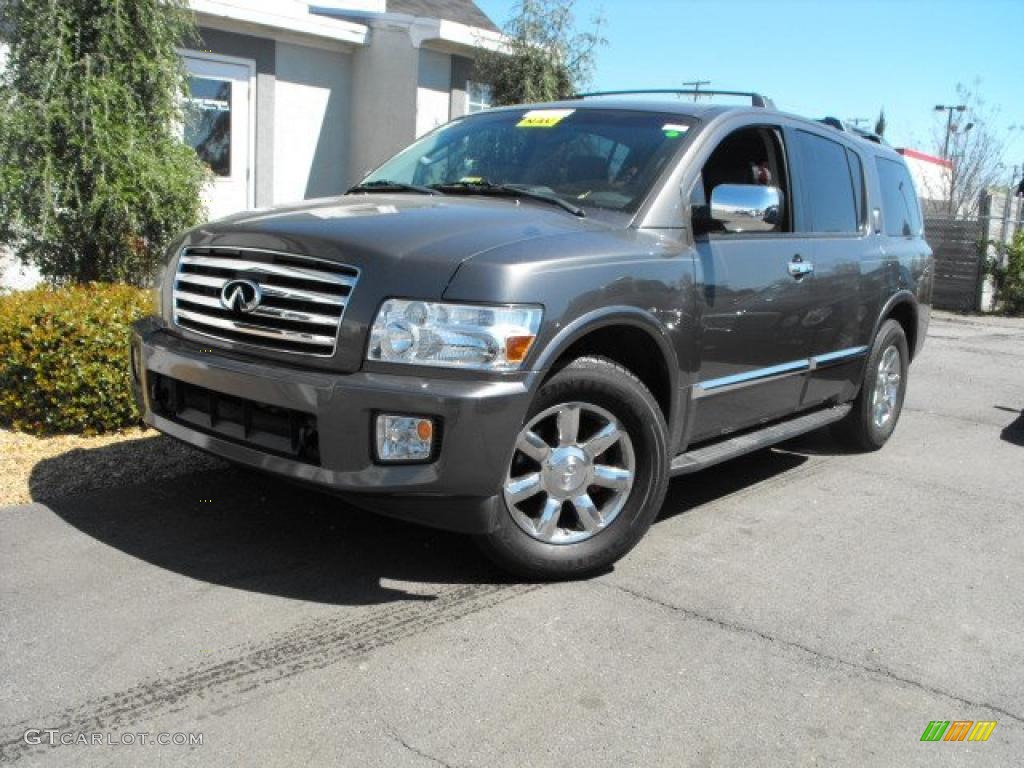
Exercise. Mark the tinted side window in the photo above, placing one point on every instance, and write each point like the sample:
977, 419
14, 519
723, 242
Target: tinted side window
900, 213
827, 188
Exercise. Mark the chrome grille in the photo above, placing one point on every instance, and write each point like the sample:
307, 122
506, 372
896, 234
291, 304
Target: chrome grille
302, 300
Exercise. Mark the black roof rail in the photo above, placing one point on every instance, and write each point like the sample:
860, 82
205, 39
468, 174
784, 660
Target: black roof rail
756, 99
839, 125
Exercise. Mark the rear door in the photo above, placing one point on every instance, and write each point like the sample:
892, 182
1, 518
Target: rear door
844, 254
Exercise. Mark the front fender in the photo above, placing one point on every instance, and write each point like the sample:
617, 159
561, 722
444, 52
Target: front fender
618, 316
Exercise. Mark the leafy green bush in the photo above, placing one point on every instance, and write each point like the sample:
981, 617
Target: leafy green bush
94, 177
64, 358
1007, 270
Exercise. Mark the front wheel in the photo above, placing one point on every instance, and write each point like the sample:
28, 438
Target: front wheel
587, 477
877, 408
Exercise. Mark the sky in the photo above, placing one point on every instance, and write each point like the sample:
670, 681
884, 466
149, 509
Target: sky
844, 58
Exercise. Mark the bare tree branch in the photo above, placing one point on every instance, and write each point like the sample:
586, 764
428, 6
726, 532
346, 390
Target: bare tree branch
975, 150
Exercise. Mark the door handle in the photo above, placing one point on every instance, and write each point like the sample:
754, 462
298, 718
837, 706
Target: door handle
799, 268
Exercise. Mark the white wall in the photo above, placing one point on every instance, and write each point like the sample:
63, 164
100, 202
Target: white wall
312, 98
930, 175
433, 92
14, 275
364, 6
384, 90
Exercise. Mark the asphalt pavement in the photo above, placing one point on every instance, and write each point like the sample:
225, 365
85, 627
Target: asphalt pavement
800, 606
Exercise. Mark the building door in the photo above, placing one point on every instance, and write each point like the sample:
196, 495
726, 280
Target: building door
218, 124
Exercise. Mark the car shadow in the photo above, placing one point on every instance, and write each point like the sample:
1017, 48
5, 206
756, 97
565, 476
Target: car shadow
245, 530
1013, 433
689, 492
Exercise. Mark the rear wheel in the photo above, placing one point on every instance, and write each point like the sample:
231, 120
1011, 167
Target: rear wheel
878, 406
587, 477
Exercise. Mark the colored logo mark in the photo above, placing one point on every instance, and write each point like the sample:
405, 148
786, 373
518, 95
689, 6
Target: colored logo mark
958, 730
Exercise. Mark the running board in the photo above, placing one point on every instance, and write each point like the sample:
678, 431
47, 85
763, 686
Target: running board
692, 461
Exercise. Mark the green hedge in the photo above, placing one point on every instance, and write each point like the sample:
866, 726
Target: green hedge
1007, 271
64, 358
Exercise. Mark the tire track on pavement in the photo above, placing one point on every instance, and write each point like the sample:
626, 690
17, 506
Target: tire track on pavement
308, 646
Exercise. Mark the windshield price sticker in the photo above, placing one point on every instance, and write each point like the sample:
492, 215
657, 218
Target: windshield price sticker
543, 118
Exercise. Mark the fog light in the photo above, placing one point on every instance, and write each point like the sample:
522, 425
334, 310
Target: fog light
404, 438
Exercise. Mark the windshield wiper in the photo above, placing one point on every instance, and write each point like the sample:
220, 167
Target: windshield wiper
384, 185
484, 187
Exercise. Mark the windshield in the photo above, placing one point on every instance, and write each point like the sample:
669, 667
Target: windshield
604, 158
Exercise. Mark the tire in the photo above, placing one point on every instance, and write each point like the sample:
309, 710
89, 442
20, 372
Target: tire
553, 533
862, 429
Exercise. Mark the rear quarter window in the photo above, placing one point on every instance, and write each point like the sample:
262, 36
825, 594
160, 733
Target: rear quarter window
901, 214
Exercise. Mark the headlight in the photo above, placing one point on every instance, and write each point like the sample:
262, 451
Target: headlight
453, 335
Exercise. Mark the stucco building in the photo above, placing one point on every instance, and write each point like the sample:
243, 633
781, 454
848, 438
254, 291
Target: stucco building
293, 100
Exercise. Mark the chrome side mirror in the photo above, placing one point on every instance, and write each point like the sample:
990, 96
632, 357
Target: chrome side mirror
746, 207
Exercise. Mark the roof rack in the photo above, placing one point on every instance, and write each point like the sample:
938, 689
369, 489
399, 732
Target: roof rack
756, 99
839, 125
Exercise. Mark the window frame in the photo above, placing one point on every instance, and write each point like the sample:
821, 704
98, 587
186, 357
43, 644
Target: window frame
860, 200
472, 107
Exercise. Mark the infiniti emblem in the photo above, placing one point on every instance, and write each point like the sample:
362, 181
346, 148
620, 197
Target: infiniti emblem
240, 295
572, 465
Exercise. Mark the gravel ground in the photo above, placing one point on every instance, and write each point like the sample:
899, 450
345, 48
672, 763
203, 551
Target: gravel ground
38, 468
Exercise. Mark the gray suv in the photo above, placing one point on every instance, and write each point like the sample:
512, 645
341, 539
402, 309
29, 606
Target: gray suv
524, 324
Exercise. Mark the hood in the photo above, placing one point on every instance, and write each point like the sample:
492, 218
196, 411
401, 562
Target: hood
422, 238
404, 245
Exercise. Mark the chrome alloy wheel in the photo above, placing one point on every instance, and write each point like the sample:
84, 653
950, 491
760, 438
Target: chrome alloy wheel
887, 387
571, 474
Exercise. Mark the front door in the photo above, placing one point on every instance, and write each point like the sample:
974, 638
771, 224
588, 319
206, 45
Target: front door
754, 337
217, 124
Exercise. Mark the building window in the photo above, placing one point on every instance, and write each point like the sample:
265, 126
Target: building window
479, 96
208, 122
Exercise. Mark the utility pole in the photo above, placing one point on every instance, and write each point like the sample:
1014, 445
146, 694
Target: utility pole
945, 151
696, 86
949, 123
1008, 203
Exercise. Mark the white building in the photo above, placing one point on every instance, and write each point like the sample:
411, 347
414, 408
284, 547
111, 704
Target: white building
294, 100
931, 177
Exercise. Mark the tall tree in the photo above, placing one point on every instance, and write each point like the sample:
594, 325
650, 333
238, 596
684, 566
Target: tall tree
94, 177
880, 122
975, 151
546, 57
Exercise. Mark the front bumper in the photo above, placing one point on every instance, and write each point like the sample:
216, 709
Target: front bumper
456, 490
